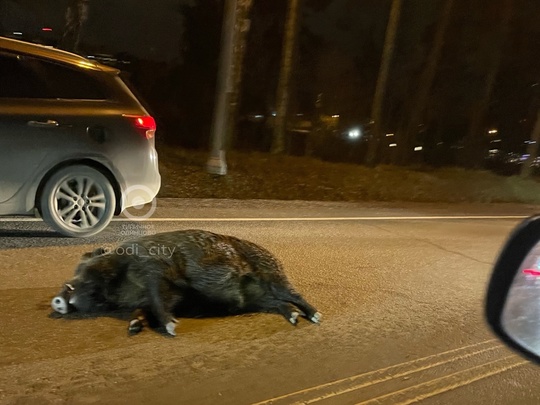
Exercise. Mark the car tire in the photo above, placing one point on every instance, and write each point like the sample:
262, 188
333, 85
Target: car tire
78, 201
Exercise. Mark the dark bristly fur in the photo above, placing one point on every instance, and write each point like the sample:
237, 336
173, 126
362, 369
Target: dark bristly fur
157, 274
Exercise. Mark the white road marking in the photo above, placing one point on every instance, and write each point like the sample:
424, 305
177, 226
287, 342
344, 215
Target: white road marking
332, 389
20, 219
447, 383
292, 219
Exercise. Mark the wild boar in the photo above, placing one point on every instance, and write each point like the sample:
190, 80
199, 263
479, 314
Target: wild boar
156, 274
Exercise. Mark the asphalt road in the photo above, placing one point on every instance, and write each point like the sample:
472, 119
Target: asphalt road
400, 287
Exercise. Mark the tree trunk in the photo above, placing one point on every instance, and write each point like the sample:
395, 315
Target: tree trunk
373, 154
316, 134
283, 92
532, 149
76, 15
216, 164
243, 8
418, 106
474, 142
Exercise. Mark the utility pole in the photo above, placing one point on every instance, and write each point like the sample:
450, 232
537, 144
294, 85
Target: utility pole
283, 92
380, 90
216, 163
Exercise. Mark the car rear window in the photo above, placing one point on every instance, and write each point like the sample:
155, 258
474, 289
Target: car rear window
24, 76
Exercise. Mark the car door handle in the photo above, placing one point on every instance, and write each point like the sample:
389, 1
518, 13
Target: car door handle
43, 124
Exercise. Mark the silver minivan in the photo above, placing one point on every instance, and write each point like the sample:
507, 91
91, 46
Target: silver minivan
75, 143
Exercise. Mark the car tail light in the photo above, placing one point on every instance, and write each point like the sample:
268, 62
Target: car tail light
532, 272
145, 123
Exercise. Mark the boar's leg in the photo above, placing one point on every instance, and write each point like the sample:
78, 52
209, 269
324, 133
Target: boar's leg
162, 314
272, 305
289, 295
136, 324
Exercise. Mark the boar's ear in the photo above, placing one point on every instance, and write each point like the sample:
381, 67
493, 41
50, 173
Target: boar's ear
98, 252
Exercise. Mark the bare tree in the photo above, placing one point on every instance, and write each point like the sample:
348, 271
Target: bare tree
216, 164
243, 8
532, 149
76, 15
233, 38
474, 141
420, 99
283, 92
382, 80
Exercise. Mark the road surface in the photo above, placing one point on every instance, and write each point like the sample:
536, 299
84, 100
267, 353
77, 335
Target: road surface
400, 287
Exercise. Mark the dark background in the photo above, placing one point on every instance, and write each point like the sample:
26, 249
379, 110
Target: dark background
172, 47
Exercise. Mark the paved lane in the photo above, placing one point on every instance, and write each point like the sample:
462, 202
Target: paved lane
401, 299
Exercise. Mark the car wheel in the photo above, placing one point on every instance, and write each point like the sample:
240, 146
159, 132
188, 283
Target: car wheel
78, 201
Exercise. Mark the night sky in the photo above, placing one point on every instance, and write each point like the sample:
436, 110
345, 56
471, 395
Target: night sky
153, 30
147, 30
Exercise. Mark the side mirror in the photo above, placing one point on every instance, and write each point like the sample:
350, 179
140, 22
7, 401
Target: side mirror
513, 297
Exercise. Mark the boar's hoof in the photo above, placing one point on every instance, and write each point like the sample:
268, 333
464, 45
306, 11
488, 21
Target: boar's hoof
60, 305
135, 326
294, 317
316, 318
171, 326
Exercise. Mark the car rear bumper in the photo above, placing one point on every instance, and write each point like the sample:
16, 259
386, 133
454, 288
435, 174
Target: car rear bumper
142, 184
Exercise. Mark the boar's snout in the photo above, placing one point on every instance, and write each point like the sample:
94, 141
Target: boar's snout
61, 303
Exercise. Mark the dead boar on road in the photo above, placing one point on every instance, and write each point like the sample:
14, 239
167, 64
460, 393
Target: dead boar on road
155, 275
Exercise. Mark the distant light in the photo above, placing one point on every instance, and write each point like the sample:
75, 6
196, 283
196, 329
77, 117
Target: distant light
495, 140
355, 133
393, 145
530, 142
17, 33
418, 148
299, 115
493, 131
493, 151
259, 116
335, 116
525, 156
274, 114
389, 134
46, 29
